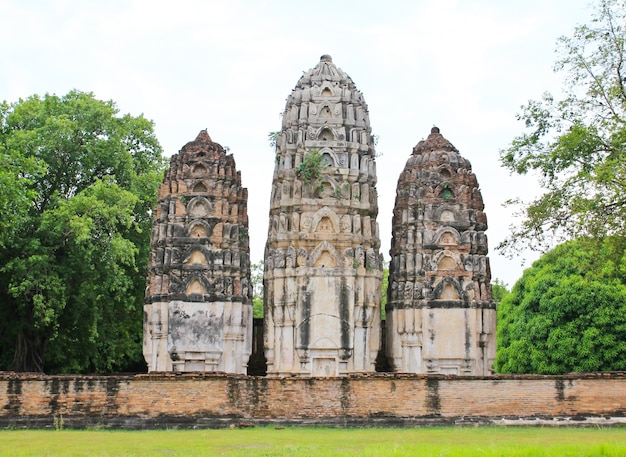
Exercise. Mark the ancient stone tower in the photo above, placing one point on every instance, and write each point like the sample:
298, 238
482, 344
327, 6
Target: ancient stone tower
440, 314
198, 312
323, 270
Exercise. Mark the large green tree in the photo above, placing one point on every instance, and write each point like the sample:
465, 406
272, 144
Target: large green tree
17, 174
73, 259
568, 311
576, 142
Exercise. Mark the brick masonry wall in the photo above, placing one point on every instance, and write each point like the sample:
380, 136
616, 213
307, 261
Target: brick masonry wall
196, 400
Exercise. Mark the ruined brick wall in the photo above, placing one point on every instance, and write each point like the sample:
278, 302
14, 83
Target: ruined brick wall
211, 400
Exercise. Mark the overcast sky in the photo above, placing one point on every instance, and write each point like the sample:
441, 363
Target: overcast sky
228, 66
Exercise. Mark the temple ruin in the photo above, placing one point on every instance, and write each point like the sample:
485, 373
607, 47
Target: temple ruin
198, 311
323, 270
440, 315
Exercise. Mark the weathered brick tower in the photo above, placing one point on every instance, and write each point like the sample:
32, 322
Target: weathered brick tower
440, 314
323, 270
198, 311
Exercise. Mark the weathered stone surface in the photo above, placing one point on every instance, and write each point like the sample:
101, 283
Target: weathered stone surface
198, 311
440, 314
323, 269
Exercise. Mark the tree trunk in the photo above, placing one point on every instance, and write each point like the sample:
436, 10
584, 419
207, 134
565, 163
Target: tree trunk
29, 353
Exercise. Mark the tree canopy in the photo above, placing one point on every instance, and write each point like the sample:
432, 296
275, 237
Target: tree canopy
73, 253
568, 312
499, 290
577, 144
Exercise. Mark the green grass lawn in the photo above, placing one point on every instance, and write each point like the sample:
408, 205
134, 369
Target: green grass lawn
488, 441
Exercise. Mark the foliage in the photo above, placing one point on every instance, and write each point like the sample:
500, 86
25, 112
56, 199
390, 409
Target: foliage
499, 290
256, 275
310, 170
384, 287
577, 145
17, 174
73, 266
320, 442
272, 138
568, 312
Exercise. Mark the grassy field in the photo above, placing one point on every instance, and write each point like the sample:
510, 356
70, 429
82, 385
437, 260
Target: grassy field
319, 442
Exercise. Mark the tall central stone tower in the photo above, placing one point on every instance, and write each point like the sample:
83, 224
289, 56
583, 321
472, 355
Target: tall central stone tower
323, 269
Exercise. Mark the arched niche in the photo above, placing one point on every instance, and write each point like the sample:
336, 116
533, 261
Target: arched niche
326, 134
199, 170
200, 188
448, 293
446, 213
447, 216
448, 289
446, 193
196, 257
198, 229
326, 91
447, 239
330, 215
447, 260
445, 173
326, 189
446, 263
325, 225
329, 158
196, 286
447, 236
325, 342
324, 256
325, 260
199, 207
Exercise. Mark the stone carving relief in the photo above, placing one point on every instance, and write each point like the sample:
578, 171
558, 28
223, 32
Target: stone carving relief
329, 217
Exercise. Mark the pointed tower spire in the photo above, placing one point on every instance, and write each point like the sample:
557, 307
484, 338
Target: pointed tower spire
323, 269
440, 313
198, 310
